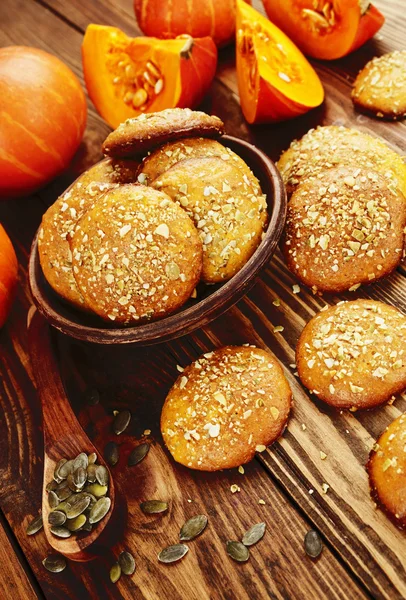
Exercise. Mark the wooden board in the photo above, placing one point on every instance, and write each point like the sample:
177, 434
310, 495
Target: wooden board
364, 554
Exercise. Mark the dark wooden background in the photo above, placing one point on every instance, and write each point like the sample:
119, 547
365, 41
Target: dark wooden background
364, 554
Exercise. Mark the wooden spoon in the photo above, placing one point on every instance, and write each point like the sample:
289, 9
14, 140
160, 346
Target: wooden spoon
63, 437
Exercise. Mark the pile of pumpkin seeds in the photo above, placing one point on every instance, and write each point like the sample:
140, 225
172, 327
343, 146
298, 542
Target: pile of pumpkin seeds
77, 495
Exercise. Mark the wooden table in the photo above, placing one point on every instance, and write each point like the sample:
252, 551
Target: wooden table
364, 554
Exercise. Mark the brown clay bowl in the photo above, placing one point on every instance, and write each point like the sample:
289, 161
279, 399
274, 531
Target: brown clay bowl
212, 300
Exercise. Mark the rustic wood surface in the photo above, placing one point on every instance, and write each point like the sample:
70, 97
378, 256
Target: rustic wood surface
364, 554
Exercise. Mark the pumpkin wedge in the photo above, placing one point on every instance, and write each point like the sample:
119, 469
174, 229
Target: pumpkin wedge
127, 76
325, 29
275, 80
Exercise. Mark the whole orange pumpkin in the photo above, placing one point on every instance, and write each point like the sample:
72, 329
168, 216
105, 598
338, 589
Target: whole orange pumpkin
8, 274
198, 18
43, 117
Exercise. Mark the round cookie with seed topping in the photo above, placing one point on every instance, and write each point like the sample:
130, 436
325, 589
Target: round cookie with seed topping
331, 146
149, 130
59, 222
387, 471
353, 355
165, 157
344, 227
225, 207
380, 87
224, 407
136, 255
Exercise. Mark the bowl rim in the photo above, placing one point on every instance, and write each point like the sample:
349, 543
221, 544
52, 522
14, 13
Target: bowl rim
184, 321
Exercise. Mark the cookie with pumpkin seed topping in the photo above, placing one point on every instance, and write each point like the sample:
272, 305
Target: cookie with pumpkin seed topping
59, 222
380, 87
353, 355
331, 146
147, 131
136, 255
344, 227
387, 471
224, 407
228, 212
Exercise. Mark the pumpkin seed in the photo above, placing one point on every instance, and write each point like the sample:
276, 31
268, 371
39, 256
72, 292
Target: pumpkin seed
192, 528
237, 551
92, 458
99, 510
91, 396
96, 489
53, 500
111, 453
80, 477
61, 532
91, 473
77, 523
93, 499
102, 475
55, 563
87, 526
51, 486
65, 469
71, 483
151, 507
127, 563
63, 491
62, 506
254, 534
34, 526
173, 553
121, 421
59, 464
115, 573
80, 461
138, 454
56, 517
313, 544
77, 505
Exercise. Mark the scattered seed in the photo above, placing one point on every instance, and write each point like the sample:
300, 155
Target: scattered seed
102, 475
61, 532
53, 500
173, 553
115, 573
77, 523
121, 421
138, 454
111, 453
91, 397
254, 534
127, 563
99, 510
34, 526
313, 544
151, 507
192, 528
56, 517
237, 551
55, 563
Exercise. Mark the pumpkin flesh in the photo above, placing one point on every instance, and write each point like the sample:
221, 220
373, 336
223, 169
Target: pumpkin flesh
127, 76
276, 82
8, 274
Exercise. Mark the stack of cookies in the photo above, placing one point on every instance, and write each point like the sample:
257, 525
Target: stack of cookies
131, 240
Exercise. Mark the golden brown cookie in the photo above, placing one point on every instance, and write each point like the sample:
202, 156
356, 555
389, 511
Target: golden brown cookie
224, 407
354, 354
332, 146
227, 211
165, 157
344, 227
136, 255
149, 130
380, 87
59, 222
387, 471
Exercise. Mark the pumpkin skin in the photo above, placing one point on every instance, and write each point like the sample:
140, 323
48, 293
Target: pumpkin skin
275, 80
179, 72
325, 30
43, 119
198, 18
8, 275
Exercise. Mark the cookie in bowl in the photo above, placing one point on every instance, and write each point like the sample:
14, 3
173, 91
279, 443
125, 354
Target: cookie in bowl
226, 209
136, 255
224, 407
353, 355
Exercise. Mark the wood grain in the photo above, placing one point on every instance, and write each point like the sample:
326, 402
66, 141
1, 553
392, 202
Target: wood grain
14, 581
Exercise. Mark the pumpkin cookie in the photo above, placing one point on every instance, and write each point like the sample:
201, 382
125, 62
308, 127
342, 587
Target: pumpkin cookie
149, 130
387, 471
354, 354
332, 146
344, 227
380, 88
225, 208
166, 156
59, 222
136, 255
224, 407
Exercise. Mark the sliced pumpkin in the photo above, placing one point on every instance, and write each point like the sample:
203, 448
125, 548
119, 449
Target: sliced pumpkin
128, 76
325, 29
275, 80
